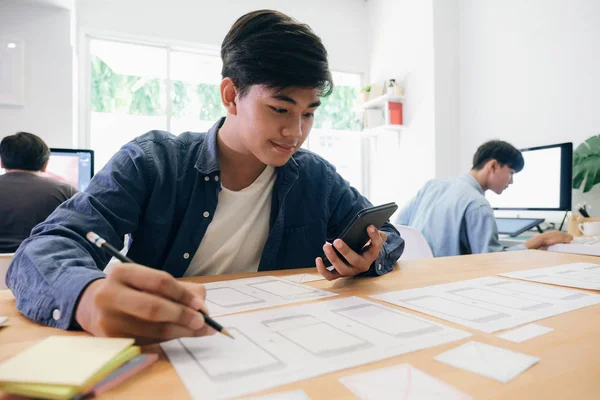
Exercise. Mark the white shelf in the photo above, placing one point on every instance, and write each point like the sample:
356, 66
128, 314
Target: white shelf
390, 127
381, 101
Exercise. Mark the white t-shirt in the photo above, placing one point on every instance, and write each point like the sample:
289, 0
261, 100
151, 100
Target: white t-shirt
235, 238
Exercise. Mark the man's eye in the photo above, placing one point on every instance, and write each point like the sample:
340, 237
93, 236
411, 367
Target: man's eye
278, 110
309, 115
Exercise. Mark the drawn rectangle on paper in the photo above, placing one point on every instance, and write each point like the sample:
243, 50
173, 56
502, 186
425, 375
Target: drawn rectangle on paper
538, 290
316, 336
505, 300
387, 321
283, 289
456, 309
230, 297
250, 358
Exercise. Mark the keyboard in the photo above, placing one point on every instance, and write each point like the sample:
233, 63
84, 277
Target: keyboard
587, 245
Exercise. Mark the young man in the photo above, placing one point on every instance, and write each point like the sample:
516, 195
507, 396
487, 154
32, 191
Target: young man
242, 197
26, 197
454, 215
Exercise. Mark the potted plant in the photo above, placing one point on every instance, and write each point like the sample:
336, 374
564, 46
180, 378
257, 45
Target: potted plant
365, 92
586, 164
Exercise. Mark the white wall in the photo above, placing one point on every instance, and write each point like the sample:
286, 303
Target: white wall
401, 45
48, 109
529, 74
341, 24
446, 86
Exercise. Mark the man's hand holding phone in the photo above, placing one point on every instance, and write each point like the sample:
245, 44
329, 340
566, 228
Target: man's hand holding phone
358, 245
357, 263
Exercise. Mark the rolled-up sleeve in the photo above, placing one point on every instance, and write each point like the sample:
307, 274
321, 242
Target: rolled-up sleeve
344, 203
56, 263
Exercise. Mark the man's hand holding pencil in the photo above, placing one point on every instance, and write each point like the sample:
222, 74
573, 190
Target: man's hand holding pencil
143, 303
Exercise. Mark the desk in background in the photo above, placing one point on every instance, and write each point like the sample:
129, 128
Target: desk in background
570, 356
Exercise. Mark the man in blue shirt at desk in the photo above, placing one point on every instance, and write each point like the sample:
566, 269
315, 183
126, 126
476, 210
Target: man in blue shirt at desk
242, 197
454, 215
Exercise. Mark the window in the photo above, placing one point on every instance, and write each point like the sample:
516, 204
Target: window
338, 110
136, 88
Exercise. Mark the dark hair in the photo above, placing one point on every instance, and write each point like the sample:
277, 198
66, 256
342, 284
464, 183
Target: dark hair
503, 152
24, 151
268, 48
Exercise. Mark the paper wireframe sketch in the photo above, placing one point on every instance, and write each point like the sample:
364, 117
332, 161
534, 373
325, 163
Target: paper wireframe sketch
230, 297
291, 395
491, 304
577, 275
400, 382
284, 345
524, 333
491, 361
303, 278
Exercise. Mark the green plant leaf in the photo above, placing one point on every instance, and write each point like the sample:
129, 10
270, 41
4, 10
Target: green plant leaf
586, 164
578, 179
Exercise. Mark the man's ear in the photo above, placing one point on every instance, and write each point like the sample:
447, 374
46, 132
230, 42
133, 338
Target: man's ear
493, 165
228, 96
44, 167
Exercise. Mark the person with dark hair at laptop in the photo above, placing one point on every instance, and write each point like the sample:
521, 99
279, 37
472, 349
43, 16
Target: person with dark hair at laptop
454, 215
26, 197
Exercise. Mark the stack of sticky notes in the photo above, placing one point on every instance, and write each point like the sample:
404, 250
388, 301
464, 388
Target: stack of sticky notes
60, 367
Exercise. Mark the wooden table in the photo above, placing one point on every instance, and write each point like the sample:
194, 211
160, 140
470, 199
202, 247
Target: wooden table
570, 356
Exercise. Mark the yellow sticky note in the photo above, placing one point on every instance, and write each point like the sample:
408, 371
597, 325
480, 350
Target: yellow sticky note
61, 392
62, 360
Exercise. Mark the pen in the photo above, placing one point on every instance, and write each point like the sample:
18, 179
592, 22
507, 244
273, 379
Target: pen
103, 244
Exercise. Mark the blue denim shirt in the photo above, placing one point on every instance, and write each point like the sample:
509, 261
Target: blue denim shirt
163, 190
455, 218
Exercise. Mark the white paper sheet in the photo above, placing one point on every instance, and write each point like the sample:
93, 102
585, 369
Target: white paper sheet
491, 304
491, 361
3, 320
284, 345
303, 278
291, 395
400, 382
525, 333
577, 275
230, 297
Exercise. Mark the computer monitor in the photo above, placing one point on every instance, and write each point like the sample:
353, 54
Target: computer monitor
74, 166
544, 183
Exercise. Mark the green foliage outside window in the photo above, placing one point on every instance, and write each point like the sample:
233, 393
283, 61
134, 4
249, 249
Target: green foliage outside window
142, 96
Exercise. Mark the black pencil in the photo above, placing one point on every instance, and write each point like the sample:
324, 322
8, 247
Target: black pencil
103, 244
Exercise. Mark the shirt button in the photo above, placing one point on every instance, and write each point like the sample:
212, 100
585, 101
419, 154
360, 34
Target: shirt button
206, 178
216, 178
186, 255
205, 214
56, 314
379, 267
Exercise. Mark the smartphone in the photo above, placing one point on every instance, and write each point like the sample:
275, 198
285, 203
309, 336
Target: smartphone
355, 233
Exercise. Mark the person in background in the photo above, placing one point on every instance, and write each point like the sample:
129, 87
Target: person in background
241, 197
26, 197
454, 215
